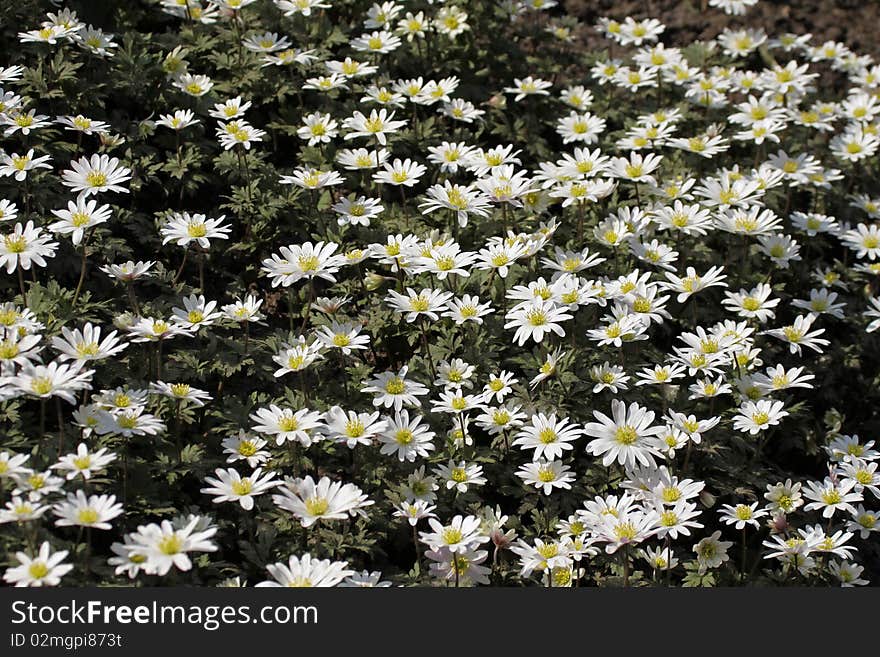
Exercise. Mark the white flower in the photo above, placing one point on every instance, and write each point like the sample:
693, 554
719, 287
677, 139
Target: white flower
44, 569
625, 437
310, 501
92, 511
94, 175
307, 571
546, 475
230, 486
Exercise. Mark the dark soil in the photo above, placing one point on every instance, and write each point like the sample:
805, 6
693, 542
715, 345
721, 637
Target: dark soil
853, 22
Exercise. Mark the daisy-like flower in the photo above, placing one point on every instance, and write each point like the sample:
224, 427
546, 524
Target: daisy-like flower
26, 246
461, 534
467, 309
854, 144
239, 133
784, 497
454, 402
180, 392
873, 313
676, 519
500, 257
637, 168
168, 544
86, 344
460, 199
179, 120
318, 128
842, 447
454, 374
234, 108
499, 386
549, 437
93, 511
392, 389
546, 475
230, 486
18, 350
357, 212
691, 426
753, 417
53, 380
864, 240
80, 123
405, 437
580, 128
462, 110
415, 510
299, 261
80, 216
303, 426
245, 447
831, 496
185, 228
607, 376
535, 318
365, 579
151, 329
18, 165
417, 305
378, 125
345, 337
22, 510
379, 42
46, 568
193, 85
325, 500
460, 474
451, 20
246, 310
711, 551
307, 571
351, 427
23, 121
798, 334
848, 574
8, 210
755, 303
660, 374
129, 271
324, 83
778, 378
528, 86
297, 356
400, 172
742, 515
311, 178
12, 464
821, 301
94, 175
625, 437
127, 423
84, 463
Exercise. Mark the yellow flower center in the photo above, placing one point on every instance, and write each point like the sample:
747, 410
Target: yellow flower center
169, 545
87, 516
15, 243
243, 487
38, 570
317, 506
626, 435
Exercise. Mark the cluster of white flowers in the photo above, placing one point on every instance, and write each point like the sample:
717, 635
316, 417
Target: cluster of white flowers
686, 267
